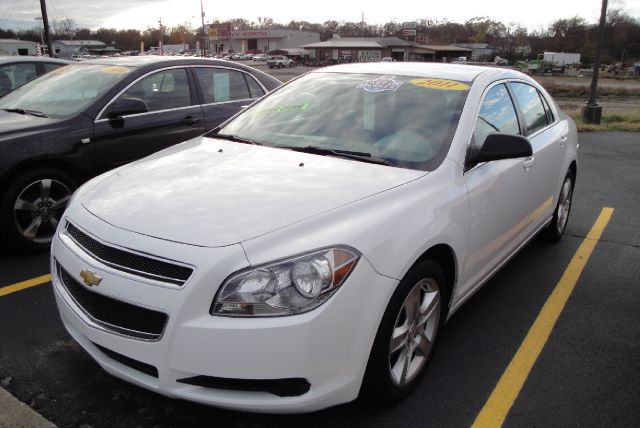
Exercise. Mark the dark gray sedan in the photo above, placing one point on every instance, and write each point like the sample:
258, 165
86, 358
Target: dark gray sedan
85, 118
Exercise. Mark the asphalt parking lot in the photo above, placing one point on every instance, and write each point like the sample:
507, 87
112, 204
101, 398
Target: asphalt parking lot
587, 374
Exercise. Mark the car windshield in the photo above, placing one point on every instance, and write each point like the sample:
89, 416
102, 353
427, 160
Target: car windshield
400, 121
65, 91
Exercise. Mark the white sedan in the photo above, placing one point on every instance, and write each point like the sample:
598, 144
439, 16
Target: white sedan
310, 248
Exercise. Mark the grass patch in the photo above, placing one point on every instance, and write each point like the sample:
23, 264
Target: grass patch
627, 121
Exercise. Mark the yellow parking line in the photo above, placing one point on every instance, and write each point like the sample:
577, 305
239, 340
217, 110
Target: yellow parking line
25, 284
506, 391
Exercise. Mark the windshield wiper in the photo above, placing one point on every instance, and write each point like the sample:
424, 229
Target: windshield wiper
359, 156
235, 138
23, 111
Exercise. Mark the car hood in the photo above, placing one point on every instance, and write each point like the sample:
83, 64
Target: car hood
209, 192
13, 123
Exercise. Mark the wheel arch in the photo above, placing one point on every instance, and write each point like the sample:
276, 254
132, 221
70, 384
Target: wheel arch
21, 168
573, 167
445, 256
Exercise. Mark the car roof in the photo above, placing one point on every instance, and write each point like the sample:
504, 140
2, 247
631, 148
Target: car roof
24, 58
460, 72
141, 61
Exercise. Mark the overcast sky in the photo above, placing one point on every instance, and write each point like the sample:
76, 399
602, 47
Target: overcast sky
140, 14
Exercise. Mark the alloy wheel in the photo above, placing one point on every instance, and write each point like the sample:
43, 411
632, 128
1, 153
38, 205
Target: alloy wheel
564, 205
414, 331
38, 209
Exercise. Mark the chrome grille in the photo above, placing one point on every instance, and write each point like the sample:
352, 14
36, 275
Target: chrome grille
129, 262
112, 314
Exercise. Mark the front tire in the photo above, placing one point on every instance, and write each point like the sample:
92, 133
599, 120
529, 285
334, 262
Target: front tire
407, 334
556, 228
32, 207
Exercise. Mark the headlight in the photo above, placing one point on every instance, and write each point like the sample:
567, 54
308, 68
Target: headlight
286, 287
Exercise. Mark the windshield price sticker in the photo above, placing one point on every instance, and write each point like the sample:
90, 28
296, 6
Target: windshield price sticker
380, 85
442, 84
115, 70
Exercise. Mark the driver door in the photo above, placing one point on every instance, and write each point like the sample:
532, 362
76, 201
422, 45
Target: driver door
173, 115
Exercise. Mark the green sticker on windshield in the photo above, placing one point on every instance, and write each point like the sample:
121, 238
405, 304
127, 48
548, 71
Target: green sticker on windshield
292, 107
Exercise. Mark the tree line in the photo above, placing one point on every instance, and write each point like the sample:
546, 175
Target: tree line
512, 41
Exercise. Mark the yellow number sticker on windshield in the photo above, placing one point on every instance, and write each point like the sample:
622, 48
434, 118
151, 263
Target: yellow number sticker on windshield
116, 70
442, 84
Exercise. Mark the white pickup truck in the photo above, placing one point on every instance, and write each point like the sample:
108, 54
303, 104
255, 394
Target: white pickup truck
279, 61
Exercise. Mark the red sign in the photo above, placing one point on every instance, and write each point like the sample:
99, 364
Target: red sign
223, 30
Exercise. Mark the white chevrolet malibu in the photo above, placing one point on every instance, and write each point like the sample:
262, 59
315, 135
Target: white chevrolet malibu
310, 248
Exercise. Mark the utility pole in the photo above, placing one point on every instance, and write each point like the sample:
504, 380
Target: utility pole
592, 112
45, 22
160, 45
204, 51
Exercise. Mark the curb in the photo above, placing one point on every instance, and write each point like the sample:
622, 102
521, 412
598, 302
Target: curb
16, 414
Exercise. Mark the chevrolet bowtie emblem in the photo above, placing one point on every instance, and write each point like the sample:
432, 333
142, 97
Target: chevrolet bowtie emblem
90, 278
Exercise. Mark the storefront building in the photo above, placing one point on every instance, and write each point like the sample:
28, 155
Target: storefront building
259, 41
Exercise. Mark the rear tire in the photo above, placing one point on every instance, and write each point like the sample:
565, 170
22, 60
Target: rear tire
407, 334
32, 207
554, 231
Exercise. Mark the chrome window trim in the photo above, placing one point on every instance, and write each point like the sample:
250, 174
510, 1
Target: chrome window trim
100, 119
149, 113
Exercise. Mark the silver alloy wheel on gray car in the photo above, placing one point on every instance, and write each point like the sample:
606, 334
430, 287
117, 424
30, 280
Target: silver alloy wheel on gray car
414, 331
38, 209
564, 204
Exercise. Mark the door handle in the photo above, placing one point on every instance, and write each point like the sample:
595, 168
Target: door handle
528, 163
192, 120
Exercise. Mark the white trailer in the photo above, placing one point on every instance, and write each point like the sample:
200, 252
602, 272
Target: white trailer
561, 59
17, 47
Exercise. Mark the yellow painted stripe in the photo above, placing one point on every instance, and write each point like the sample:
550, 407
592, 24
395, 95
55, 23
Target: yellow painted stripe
25, 284
506, 391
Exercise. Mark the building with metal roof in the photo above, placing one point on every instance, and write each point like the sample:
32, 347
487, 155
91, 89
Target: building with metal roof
70, 48
363, 49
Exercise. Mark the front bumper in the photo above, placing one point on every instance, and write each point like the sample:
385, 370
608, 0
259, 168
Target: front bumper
328, 347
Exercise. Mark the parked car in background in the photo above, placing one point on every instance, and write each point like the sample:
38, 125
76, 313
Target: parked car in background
259, 57
279, 61
15, 71
83, 119
312, 247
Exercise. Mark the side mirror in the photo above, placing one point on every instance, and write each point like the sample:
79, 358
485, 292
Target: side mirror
127, 106
502, 146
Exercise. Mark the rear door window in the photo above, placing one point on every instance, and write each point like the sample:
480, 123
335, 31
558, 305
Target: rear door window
220, 85
533, 112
